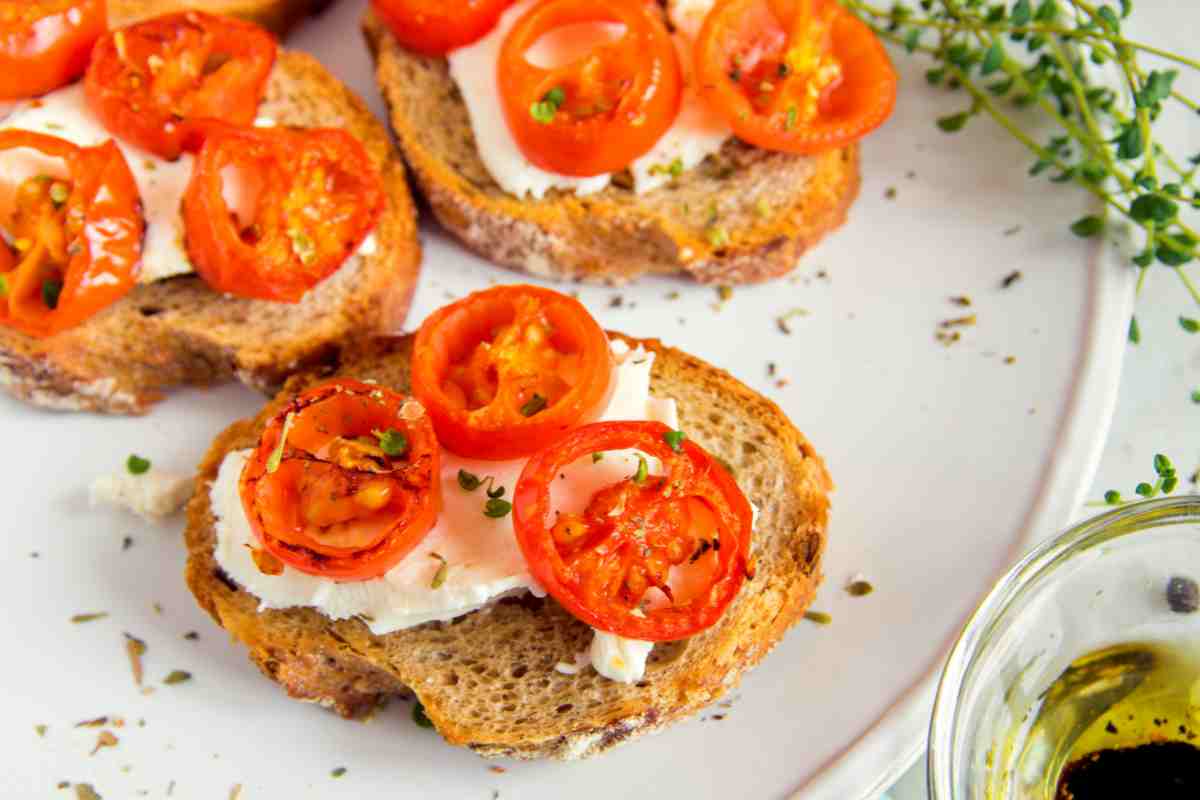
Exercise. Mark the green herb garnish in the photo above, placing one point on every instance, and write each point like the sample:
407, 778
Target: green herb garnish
392, 442
1188, 324
277, 454
597, 457
1165, 483
50, 292
468, 481
544, 110
1102, 134
496, 508
419, 717
860, 588
819, 617
337, 772
533, 405
643, 470
439, 577
177, 676
137, 465
674, 439
77, 618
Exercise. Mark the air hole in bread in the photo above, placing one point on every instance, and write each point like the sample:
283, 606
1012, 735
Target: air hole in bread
749, 448
150, 311
564, 708
519, 671
450, 679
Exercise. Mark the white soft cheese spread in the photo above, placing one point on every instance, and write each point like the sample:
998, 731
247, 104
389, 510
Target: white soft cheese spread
151, 495
696, 132
483, 559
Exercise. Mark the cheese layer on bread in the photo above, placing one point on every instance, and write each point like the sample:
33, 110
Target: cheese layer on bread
65, 114
483, 560
696, 133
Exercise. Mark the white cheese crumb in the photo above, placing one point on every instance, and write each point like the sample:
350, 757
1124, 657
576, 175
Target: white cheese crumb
581, 660
619, 659
151, 495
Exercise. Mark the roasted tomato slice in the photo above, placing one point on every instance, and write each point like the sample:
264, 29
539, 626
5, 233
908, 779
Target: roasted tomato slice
656, 556
45, 44
72, 241
344, 482
306, 200
799, 76
435, 27
505, 370
159, 83
599, 112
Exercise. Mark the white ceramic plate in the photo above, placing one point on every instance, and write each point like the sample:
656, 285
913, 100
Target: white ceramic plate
947, 460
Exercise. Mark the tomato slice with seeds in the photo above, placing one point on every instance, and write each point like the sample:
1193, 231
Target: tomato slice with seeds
45, 44
601, 111
507, 369
657, 556
309, 199
158, 84
798, 76
72, 242
435, 27
344, 481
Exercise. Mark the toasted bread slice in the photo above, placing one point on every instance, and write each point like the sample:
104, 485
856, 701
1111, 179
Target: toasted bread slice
487, 680
743, 215
279, 16
179, 331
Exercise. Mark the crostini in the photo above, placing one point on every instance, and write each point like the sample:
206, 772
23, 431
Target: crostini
558, 539
605, 140
184, 204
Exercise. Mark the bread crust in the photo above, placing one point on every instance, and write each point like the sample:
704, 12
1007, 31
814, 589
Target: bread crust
279, 16
487, 679
769, 207
178, 331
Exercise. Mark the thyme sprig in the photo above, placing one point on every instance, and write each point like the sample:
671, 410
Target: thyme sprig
1039, 54
1165, 483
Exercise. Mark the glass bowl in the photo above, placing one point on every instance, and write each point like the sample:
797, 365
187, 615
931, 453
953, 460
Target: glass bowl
1100, 583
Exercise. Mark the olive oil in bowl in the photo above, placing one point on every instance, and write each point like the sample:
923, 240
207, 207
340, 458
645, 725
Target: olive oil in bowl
1120, 722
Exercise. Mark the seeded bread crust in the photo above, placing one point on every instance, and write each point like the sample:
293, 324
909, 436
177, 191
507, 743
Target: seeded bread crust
279, 16
179, 331
742, 216
487, 679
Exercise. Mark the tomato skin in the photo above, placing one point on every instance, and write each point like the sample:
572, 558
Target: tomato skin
690, 473
90, 245
293, 517
46, 45
153, 84
616, 102
320, 196
463, 333
435, 28
755, 61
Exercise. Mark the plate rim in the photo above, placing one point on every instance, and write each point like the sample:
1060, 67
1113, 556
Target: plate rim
897, 738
